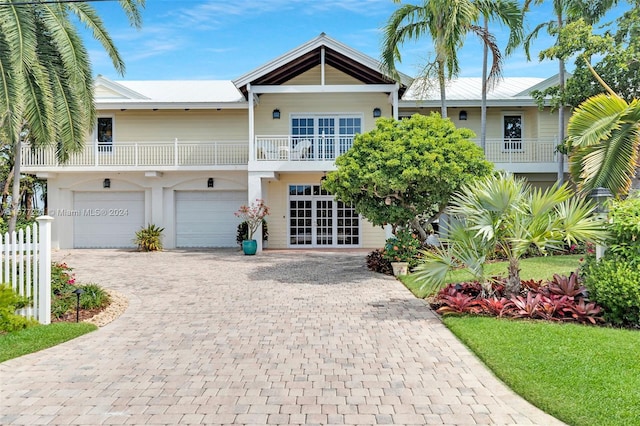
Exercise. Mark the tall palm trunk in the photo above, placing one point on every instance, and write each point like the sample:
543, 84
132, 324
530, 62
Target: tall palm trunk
483, 106
561, 134
15, 193
442, 83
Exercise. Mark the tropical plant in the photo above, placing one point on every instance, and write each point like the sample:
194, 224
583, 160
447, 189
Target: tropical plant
253, 215
447, 23
505, 213
403, 172
149, 238
604, 136
376, 262
403, 247
565, 12
46, 86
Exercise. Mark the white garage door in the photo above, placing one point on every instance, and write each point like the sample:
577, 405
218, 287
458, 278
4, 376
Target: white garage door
206, 219
107, 219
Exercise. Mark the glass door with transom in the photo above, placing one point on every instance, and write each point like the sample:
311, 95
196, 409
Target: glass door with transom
316, 219
329, 135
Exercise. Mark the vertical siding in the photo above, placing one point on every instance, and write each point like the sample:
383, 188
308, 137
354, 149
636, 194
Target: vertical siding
314, 76
277, 196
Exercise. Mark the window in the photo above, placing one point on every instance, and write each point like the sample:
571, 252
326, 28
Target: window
105, 134
512, 132
329, 135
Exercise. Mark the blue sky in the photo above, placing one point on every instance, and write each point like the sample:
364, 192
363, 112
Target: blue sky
215, 39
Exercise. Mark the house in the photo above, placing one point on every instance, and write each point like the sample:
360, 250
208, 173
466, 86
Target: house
184, 155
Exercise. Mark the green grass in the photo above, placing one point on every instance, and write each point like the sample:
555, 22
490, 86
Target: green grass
581, 375
40, 337
533, 267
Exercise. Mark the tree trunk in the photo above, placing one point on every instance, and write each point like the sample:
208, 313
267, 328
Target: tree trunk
15, 194
513, 282
422, 234
483, 106
5, 192
561, 112
442, 83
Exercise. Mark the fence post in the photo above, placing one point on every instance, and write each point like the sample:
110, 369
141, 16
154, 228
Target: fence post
44, 263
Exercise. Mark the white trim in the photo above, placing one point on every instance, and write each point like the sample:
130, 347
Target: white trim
505, 139
341, 88
113, 134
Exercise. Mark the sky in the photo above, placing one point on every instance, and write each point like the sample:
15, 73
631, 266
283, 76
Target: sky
223, 40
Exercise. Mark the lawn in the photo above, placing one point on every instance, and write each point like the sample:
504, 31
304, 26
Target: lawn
533, 267
581, 375
40, 337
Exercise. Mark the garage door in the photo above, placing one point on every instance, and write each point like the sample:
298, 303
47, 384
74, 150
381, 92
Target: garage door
205, 219
107, 219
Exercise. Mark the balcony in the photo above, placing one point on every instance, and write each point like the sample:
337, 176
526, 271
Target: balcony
301, 148
522, 155
142, 156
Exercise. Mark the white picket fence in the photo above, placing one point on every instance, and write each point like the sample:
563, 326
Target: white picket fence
25, 263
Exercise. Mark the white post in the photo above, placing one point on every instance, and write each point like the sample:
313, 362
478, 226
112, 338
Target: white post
44, 279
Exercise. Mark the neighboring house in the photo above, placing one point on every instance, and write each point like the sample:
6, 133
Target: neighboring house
184, 155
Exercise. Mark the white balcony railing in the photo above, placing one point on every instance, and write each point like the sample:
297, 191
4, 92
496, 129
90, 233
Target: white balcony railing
520, 150
302, 148
144, 154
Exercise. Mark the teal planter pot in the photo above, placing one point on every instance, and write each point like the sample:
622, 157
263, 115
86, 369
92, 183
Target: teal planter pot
249, 247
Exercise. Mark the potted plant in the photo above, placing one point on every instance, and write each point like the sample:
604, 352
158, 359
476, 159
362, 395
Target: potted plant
401, 251
253, 215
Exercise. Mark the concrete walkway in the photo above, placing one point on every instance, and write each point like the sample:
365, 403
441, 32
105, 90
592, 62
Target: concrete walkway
280, 338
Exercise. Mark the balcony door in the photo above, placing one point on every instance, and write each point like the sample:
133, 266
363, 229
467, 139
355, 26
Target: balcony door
330, 135
316, 219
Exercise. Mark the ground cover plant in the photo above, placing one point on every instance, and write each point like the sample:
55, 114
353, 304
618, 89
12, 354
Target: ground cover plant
64, 301
580, 375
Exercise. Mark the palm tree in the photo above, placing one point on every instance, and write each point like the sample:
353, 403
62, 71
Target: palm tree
604, 136
46, 87
505, 214
510, 14
565, 10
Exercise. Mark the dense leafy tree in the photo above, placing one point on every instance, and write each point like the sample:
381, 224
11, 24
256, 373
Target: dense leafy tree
505, 214
405, 171
46, 86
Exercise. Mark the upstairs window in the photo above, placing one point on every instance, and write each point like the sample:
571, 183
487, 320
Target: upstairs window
512, 131
105, 134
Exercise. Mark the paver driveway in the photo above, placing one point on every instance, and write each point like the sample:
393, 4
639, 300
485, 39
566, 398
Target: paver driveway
280, 338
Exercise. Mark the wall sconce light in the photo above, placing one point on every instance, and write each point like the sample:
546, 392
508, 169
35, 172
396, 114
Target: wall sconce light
377, 113
210, 183
463, 115
276, 114
106, 183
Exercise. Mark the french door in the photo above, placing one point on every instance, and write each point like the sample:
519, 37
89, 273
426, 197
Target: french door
330, 135
316, 219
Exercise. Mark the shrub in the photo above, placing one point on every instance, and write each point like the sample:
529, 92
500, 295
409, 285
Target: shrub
624, 227
94, 297
149, 238
242, 233
402, 248
377, 263
9, 303
615, 285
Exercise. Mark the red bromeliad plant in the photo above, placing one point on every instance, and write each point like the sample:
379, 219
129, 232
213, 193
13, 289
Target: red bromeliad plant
561, 299
253, 215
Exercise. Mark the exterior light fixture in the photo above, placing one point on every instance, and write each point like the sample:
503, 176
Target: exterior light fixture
155, 109
78, 292
276, 114
210, 183
600, 196
463, 115
106, 183
377, 112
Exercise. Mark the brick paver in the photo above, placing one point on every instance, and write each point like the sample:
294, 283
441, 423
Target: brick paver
215, 337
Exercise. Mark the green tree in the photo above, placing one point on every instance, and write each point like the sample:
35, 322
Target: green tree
604, 139
404, 172
565, 11
46, 86
448, 23
505, 214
